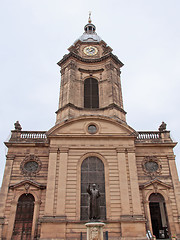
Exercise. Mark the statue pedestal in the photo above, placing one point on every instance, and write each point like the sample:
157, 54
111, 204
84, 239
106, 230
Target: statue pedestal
94, 230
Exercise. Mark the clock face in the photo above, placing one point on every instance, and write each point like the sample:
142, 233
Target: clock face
90, 50
31, 166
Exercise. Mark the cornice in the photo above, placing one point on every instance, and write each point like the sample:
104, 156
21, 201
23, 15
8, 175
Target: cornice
94, 60
113, 105
155, 144
26, 144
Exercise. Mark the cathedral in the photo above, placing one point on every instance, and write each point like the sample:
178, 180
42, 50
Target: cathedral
44, 191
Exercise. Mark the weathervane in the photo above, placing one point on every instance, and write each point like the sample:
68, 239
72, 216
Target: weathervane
89, 20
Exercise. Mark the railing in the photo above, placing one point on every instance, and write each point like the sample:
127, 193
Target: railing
28, 136
148, 135
40, 136
33, 135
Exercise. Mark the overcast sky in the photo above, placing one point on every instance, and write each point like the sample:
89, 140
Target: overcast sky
35, 34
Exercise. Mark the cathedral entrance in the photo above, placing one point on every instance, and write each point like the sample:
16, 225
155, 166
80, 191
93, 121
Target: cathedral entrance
158, 216
24, 217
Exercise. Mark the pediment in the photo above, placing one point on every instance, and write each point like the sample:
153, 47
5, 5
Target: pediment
79, 126
27, 184
155, 183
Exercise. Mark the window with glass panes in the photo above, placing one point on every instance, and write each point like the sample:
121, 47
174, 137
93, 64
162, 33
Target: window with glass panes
92, 171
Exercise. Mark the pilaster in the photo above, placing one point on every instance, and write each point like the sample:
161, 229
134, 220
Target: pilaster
175, 180
136, 203
50, 192
123, 181
5, 183
61, 195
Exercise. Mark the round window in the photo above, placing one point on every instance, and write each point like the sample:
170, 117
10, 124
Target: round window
151, 166
92, 129
31, 166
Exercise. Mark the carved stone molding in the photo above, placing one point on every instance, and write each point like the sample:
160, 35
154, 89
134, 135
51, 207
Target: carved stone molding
120, 150
62, 71
94, 60
10, 156
151, 165
30, 166
109, 66
130, 150
71, 65
91, 70
27, 184
118, 72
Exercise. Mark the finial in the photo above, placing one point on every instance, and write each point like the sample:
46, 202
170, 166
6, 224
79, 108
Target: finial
89, 19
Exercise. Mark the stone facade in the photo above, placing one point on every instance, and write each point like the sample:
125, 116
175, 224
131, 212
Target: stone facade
138, 166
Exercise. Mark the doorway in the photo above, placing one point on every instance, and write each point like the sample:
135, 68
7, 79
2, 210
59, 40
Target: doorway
24, 217
158, 216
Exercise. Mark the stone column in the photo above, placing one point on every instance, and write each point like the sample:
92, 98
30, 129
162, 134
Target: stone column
123, 181
49, 204
5, 183
136, 202
94, 230
61, 196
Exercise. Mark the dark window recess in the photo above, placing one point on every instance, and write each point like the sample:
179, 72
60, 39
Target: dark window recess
91, 93
92, 171
24, 217
159, 218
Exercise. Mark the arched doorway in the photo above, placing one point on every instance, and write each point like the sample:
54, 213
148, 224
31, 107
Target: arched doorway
159, 218
92, 171
24, 218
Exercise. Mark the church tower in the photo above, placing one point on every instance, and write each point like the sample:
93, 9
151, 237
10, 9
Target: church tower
90, 79
44, 191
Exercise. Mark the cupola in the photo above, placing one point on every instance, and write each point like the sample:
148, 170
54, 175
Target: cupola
90, 34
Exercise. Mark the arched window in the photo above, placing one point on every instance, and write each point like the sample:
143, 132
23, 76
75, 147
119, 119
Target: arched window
92, 171
158, 216
24, 217
91, 93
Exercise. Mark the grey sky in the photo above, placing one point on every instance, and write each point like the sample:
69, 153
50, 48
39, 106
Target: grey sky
145, 35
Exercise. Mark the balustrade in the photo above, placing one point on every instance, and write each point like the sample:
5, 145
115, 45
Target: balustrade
149, 135
33, 135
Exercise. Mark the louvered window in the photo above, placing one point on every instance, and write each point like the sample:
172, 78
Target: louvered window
91, 93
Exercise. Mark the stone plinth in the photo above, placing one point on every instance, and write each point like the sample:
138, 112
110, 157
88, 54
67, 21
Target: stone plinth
95, 230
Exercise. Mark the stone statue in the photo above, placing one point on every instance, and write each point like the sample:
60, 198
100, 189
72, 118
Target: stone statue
17, 126
94, 209
162, 127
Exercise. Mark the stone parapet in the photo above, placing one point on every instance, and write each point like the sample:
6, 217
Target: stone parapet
28, 137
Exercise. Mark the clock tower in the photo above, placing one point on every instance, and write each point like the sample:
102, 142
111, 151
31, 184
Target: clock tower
48, 174
90, 79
